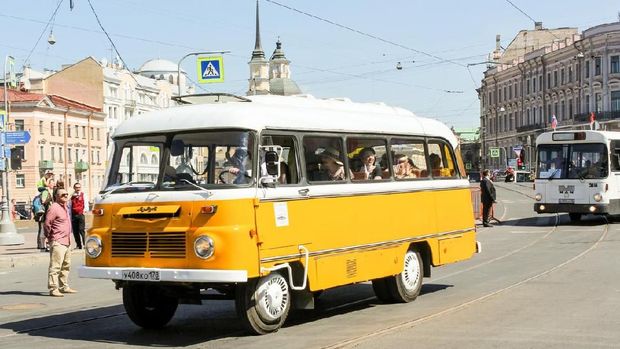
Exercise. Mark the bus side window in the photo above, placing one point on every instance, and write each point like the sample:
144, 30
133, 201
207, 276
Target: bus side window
289, 173
441, 159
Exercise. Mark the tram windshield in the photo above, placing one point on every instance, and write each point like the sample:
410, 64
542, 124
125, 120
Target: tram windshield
185, 161
572, 161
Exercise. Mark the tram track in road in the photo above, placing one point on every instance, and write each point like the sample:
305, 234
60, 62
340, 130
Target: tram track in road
355, 341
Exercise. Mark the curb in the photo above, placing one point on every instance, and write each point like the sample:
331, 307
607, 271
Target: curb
32, 259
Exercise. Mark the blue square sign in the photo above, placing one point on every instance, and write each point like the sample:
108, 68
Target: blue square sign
210, 69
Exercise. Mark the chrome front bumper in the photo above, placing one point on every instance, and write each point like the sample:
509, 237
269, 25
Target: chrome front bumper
173, 275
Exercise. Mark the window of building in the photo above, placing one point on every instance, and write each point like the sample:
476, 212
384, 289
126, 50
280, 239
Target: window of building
587, 69
52, 152
562, 110
570, 73
41, 152
52, 129
548, 80
19, 124
20, 180
614, 64
60, 151
84, 132
587, 101
555, 78
555, 110
77, 131
570, 109
69, 158
99, 158
534, 85
60, 129
534, 115
98, 134
562, 76
540, 115
597, 66
92, 134
77, 155
599, 102
527, 117
615, 100
41, 127
527, 87
68, 131
505, 93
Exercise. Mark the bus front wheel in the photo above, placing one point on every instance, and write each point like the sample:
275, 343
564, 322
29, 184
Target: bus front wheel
263, 303
147, 306
405, 287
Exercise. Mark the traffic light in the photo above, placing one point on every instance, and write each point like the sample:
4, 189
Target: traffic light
17, 155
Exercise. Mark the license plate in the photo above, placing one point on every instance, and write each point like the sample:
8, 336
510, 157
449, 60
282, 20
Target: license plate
141, 275
567, 201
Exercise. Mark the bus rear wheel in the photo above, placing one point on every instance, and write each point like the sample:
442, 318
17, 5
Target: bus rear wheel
406, 286
147, 306
574, 217
263, 303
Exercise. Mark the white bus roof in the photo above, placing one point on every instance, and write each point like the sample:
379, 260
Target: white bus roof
564, 137
303, 113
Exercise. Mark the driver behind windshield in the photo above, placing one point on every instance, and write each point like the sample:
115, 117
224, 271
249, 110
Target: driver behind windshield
239, 165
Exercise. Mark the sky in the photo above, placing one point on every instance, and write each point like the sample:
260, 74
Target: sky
342, 48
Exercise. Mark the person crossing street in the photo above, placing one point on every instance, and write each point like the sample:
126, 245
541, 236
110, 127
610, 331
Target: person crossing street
488, 197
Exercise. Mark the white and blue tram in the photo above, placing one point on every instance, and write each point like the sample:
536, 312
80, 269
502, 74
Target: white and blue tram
578, 172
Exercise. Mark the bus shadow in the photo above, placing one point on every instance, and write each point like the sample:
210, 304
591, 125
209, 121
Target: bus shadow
562, 219
191, 325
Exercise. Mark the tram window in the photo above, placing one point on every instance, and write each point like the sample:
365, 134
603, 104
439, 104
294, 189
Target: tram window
289, 170
324, 159
408, 159
368, 159
615, 156
441, 160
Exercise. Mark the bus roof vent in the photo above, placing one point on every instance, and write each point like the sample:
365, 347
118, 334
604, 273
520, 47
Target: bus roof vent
340, 99
209, 98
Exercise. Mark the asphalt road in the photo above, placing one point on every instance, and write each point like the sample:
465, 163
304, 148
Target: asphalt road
540, 282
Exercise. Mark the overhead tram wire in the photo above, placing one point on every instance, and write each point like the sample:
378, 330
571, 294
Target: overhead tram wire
43, 31
532, 19
364, 33
111, 42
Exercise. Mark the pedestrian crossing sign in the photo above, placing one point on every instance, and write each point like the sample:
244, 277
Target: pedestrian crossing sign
210, 69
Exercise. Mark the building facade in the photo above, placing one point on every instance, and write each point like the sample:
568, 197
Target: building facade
67, 138
560, 73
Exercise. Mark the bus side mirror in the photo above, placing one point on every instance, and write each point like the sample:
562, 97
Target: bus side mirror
272, 162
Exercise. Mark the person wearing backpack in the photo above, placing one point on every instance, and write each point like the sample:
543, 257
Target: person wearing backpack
79, 205
45, 198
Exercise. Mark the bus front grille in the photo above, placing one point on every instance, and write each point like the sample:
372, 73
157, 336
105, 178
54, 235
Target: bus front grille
153, 245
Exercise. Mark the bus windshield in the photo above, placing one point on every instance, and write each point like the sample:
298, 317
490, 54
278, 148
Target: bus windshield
186, 161
572, 161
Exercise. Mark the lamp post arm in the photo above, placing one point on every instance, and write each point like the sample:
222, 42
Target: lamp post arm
192, 54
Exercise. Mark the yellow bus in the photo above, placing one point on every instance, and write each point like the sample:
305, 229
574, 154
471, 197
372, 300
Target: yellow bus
269, 200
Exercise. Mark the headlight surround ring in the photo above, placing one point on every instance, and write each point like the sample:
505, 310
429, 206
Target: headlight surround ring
204, 247
93, 246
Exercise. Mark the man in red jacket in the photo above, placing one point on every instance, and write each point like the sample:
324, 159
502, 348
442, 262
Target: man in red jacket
78, 206
58, 233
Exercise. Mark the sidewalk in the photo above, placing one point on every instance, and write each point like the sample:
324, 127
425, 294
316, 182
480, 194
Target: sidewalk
27, 254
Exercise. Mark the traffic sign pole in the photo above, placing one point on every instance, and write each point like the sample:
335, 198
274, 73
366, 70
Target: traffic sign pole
8, 232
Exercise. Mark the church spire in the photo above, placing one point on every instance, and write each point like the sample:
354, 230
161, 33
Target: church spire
258, 50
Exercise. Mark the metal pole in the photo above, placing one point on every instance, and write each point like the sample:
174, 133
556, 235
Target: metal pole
192, 54
8, 232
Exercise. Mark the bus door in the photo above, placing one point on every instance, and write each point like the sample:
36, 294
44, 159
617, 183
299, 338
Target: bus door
614, 164
279, 209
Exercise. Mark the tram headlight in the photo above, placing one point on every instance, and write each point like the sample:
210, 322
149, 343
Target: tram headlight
93, 246
598, 197
538, 196
204, 246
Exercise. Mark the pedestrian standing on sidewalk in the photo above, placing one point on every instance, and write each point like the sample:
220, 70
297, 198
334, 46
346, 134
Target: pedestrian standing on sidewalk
488, 196
46, 201
79, 205
58, 233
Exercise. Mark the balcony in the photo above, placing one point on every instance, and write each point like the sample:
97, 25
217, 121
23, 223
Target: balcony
46, 165
81, 166
130, 103
529, 128
600, 116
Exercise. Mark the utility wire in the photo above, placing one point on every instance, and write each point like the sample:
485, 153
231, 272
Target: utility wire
364, 33
43, 31
112, 42
520, 10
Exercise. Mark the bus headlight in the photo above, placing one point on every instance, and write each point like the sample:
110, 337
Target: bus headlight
598, 197
204, 247
538, 196
93, 246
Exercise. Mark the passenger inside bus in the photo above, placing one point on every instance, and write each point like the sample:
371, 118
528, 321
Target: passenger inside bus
331, 165
367, 168
404, 167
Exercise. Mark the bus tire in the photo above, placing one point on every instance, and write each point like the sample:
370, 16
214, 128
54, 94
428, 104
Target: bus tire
147, 306
263, 303
405, 287
574, 217
381, 290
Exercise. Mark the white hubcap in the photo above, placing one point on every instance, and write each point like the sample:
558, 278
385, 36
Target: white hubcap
272, 297
411, 273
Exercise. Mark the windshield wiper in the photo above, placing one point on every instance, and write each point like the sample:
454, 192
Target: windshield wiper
197, 186
553, 174
123, 186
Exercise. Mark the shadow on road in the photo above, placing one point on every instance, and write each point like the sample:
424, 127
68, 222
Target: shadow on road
550, 220
23, 293
191, 324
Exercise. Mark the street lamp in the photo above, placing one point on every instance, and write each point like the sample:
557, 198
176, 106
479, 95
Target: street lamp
8, 232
